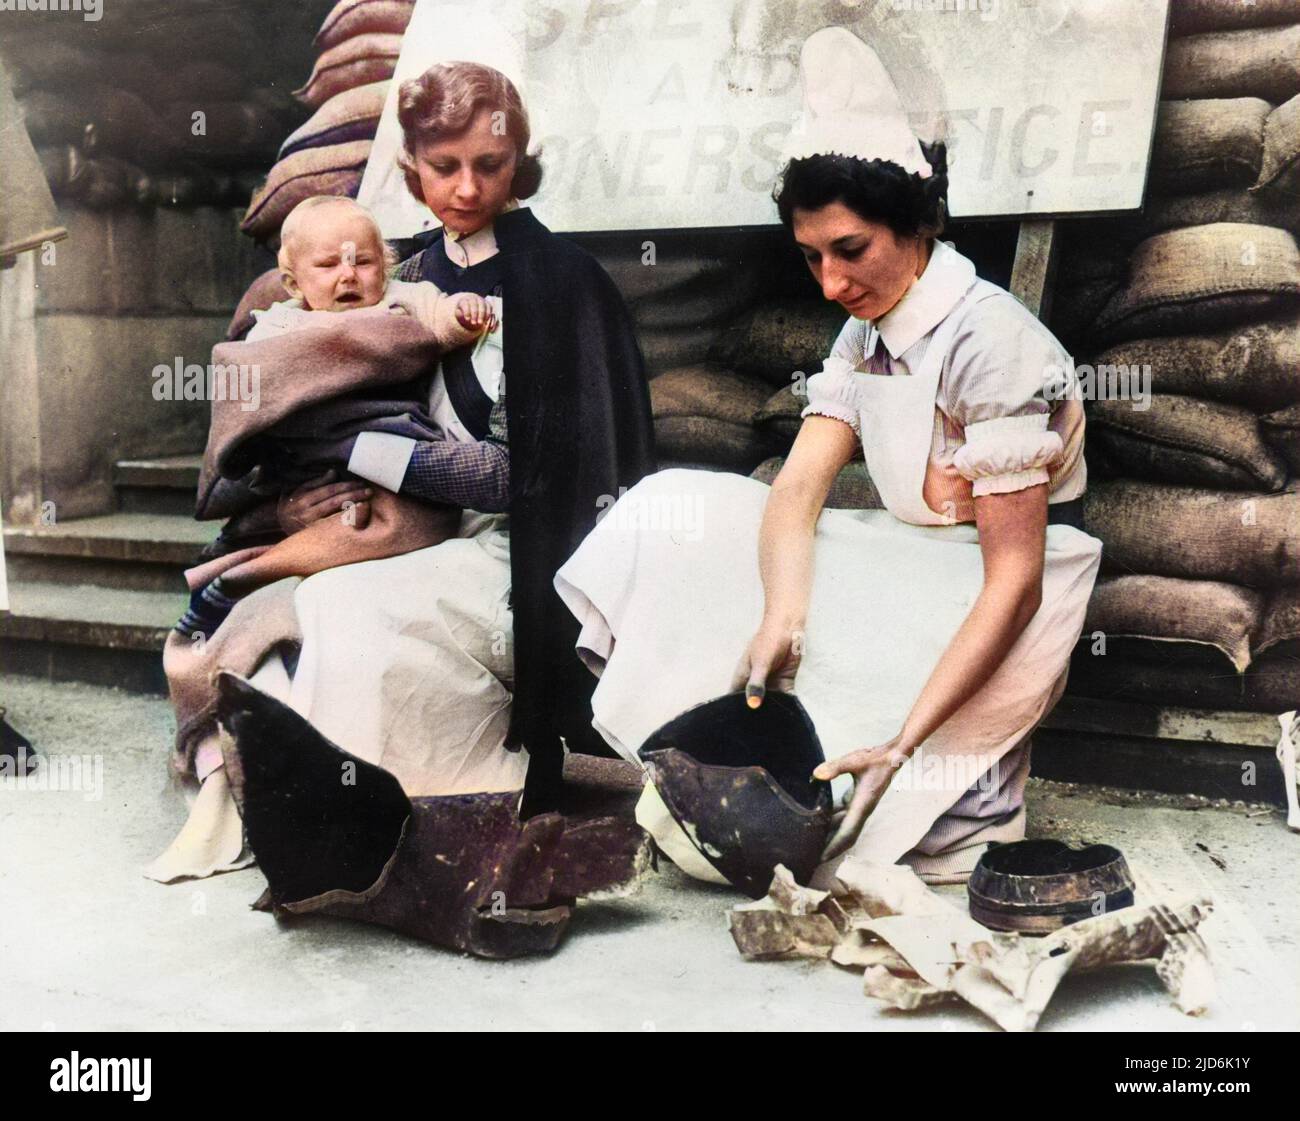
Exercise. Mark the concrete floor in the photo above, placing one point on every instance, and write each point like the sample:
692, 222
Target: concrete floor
87, 943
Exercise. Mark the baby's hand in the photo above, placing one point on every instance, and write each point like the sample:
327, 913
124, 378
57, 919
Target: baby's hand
474, 313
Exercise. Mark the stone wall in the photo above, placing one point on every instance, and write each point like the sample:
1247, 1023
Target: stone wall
82, 327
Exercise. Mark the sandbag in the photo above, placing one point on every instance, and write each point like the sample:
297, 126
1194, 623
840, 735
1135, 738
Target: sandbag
196, 81
705, 413
1179, 674
681, 303
696, 280
170, 30
98, 184
335, 170
123, 125
1224, 616
1187, 17
1198, 534
1186, 440
105, 184
353, 62
851, 490
780, 337
779, 420
351, 115
278, 102
349, 18
50, 63
1279, 171
1232, 204
706, 440
233, 132
1260, 62
1282, 431
706, 390
666, 348
1204, 278
1076, 307
1094, 249
1207, 144
1279, 629
51, 119
1257, 366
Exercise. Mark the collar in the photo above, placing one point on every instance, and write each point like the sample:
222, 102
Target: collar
470, 249
948, 276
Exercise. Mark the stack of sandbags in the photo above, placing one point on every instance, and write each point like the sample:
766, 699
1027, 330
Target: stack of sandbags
1191, 312
741, 406
118, 119
357, 48
703, 417
683, 288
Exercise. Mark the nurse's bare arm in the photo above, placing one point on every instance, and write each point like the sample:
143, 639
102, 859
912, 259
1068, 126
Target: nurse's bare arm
785, 552
1013, 535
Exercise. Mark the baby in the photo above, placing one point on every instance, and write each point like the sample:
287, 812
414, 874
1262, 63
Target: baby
334, 263
333, 259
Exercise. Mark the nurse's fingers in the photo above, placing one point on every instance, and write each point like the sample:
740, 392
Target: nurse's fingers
740, 675
851, 825
852, 763
756, 685
751, 675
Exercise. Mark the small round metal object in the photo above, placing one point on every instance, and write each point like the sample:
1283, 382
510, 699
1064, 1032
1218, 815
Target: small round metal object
1036, 887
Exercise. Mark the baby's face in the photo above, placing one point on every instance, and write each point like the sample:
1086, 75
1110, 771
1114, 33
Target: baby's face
338, 262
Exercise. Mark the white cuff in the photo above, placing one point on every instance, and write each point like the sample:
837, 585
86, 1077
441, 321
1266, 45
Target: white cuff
1008, 453
1008, 482
834, 393
381, 458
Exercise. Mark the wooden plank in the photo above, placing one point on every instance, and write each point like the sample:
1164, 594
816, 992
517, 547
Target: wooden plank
1033, 273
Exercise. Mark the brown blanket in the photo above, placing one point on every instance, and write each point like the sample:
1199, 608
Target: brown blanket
314, 387
259, 623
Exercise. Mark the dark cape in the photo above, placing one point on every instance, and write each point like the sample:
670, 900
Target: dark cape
579, 428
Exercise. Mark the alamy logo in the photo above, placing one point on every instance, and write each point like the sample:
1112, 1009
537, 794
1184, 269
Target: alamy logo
92, 11
114, 1076
183, 381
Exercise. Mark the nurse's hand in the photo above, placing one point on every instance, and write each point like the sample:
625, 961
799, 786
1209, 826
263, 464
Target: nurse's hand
322, 498
872, 768
771, 658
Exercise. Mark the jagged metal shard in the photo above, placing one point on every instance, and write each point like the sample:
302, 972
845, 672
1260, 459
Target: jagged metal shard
338, 836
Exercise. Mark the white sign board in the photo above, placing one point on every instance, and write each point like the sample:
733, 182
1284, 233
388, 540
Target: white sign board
661, 114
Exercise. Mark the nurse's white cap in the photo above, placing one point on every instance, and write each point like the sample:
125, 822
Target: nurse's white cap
850, 106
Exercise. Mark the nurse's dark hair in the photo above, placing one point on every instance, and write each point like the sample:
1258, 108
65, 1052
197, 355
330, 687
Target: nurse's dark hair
442, 102
877, 190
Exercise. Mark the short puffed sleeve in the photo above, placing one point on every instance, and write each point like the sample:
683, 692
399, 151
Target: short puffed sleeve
1001, 362
833, 392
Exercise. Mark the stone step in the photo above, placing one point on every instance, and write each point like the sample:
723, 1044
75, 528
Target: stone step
162, 485
130, 550
78, 632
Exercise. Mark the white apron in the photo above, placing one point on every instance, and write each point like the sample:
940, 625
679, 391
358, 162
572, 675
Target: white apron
668, 593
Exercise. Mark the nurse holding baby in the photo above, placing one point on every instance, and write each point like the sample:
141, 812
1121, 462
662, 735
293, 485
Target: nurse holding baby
452, 666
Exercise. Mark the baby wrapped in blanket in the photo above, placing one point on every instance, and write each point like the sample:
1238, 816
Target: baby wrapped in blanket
351, 352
